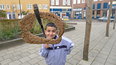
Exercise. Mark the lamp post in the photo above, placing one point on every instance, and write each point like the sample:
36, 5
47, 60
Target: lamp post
20, 9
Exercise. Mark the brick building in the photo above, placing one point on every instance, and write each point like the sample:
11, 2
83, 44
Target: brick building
100, 8
77, 8
13, 8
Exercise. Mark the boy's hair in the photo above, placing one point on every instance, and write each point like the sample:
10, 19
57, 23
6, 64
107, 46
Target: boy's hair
50, 25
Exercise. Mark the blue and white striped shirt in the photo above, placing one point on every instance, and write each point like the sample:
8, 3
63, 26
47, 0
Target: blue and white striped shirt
57, 56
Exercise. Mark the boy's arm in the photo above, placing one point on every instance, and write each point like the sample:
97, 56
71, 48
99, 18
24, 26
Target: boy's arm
43, 51
69, 47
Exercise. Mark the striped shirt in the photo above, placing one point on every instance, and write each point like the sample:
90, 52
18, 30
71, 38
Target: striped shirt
57, 56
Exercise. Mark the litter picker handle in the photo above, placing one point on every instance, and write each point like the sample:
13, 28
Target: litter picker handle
36, 11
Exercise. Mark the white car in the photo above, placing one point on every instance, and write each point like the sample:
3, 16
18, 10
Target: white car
105, 19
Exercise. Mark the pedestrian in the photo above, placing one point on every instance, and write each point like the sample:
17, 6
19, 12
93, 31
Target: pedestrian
55, 54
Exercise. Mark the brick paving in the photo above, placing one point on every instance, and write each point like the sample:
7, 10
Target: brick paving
102, 50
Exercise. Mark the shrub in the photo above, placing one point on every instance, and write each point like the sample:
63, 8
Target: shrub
8, 29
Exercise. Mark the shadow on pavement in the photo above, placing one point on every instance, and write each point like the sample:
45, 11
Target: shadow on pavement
10, 44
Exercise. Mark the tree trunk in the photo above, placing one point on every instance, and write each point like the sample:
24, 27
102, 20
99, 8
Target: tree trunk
108, 22
82, 13
114, 20
88, 29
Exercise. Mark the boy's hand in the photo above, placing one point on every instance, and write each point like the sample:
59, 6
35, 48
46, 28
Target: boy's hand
46, 45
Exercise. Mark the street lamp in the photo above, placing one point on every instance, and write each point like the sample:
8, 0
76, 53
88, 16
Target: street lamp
20, 9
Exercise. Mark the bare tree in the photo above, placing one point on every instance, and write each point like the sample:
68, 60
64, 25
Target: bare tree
88, 28
114, 20
108, 22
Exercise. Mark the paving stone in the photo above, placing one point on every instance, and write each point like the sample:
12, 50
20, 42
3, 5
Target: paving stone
15, 63
2, 54
111, 61
8, 56
6, 61
41, 62
67, 63
100, 60
97, 63
1, 58
25, 63
14, 58
33, 61
25, 54
24, 59
104, 56
33, 55
73, 61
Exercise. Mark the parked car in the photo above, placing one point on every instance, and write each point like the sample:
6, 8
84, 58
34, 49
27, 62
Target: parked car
105, 19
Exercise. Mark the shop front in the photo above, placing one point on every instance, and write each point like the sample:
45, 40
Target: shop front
61, 12
78, 13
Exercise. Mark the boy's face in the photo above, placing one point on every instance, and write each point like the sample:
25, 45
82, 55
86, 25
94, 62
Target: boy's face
50, 32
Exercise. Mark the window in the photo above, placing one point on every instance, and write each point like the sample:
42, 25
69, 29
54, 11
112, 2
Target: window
68, 2
29, 6
64, 2
99, 6
83, 1
45, 6
13, 15
78, 1
39, 6
1, 6
14, 7
93, 6
57, 2
7, 6
74, 1
105, 5
52, 2
19, 6
95, 0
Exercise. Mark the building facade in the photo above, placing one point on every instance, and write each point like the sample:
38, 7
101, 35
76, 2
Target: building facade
76, 9
100, 8
79, 9
62, 8
114, 8
14, 8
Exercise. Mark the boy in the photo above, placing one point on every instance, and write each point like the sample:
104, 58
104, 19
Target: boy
55, 54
